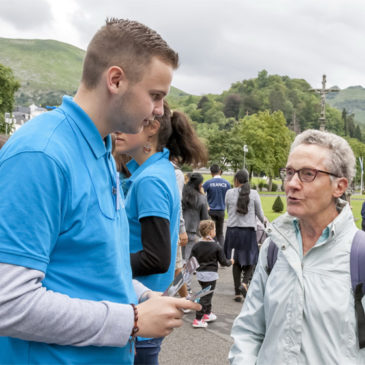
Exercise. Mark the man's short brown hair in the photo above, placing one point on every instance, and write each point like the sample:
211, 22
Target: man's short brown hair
205, 227
127, 44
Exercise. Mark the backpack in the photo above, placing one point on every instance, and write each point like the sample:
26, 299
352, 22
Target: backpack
357, 271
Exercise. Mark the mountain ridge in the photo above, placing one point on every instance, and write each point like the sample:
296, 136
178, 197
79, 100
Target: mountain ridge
47, 69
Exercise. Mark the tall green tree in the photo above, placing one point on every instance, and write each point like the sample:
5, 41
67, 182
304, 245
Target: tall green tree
344, 119
8, 86
268, 140
232, 105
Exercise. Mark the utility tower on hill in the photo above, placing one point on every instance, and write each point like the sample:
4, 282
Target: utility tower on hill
322, 92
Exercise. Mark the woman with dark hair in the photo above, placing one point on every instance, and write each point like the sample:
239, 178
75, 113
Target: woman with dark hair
243, 206
153, 203
195, 209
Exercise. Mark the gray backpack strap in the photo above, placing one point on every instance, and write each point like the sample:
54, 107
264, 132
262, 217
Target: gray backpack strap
357, 260
357, 269
272, 255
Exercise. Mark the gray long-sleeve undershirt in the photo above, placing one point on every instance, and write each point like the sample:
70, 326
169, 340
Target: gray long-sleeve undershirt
31, 312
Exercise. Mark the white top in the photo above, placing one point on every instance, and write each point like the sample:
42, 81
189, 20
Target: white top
243, 220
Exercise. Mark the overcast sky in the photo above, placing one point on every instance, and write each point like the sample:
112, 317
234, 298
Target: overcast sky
219, 42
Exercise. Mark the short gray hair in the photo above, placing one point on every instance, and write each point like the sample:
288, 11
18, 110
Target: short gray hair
342, 161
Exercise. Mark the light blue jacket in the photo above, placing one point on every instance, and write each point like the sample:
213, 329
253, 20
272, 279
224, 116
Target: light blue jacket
303, 313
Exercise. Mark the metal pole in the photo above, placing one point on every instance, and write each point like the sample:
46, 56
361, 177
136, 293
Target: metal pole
362, 173
245, 149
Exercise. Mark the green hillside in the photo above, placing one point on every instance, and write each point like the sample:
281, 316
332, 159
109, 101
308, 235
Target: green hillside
46, 69
352, 99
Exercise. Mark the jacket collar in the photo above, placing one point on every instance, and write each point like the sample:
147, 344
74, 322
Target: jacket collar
282, 229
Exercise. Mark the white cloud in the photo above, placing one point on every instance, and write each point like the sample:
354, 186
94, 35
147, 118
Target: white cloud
219, 42
23, 16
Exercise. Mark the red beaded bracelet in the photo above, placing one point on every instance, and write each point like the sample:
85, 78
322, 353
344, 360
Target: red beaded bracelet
135, 328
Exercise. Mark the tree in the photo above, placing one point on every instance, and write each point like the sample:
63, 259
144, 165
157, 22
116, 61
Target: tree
262, 79
277, 99
250, 105
358, 133
203, 102
232, 105
351, 125
268, 140
8, 86
278, 205
344, 119
220, 148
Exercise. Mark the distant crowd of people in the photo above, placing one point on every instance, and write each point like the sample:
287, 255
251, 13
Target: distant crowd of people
97, 221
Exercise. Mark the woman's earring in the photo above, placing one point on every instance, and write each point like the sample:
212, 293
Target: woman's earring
147, 148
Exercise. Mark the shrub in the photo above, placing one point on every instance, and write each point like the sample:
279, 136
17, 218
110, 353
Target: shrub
278, 205
261, 184
274, 187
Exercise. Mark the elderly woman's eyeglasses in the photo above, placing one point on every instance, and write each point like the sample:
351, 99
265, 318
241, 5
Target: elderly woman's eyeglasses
305, 174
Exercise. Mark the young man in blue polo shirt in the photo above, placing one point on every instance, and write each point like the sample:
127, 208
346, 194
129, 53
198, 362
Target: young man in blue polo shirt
216, 189
66, 289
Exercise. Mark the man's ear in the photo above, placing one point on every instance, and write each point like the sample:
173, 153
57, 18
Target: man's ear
341, 186
116, 79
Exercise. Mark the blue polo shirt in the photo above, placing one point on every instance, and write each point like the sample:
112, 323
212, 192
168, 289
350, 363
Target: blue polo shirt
216, 189
60, 214
153, 192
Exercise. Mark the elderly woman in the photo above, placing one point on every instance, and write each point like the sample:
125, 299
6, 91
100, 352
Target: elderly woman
303, 312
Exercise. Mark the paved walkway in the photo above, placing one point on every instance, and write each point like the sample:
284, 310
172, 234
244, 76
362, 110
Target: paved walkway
210, 346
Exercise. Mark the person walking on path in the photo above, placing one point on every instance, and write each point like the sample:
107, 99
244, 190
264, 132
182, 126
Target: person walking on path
243, 207
195, 209
208, 253
301, 310
216, 189
66, 289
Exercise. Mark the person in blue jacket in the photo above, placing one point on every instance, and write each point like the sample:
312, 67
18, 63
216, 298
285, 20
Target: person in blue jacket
66, 289
153, 204
216, 189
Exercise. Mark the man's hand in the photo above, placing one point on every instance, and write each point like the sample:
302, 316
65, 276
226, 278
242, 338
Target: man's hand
183, 239
159, 315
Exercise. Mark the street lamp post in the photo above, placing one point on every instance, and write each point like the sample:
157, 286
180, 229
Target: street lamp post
245, 150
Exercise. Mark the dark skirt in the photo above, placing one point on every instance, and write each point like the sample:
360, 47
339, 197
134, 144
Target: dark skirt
243, 240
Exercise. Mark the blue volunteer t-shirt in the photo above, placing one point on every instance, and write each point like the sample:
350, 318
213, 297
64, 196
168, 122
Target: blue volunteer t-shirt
216, 189
153, 192
61, 215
